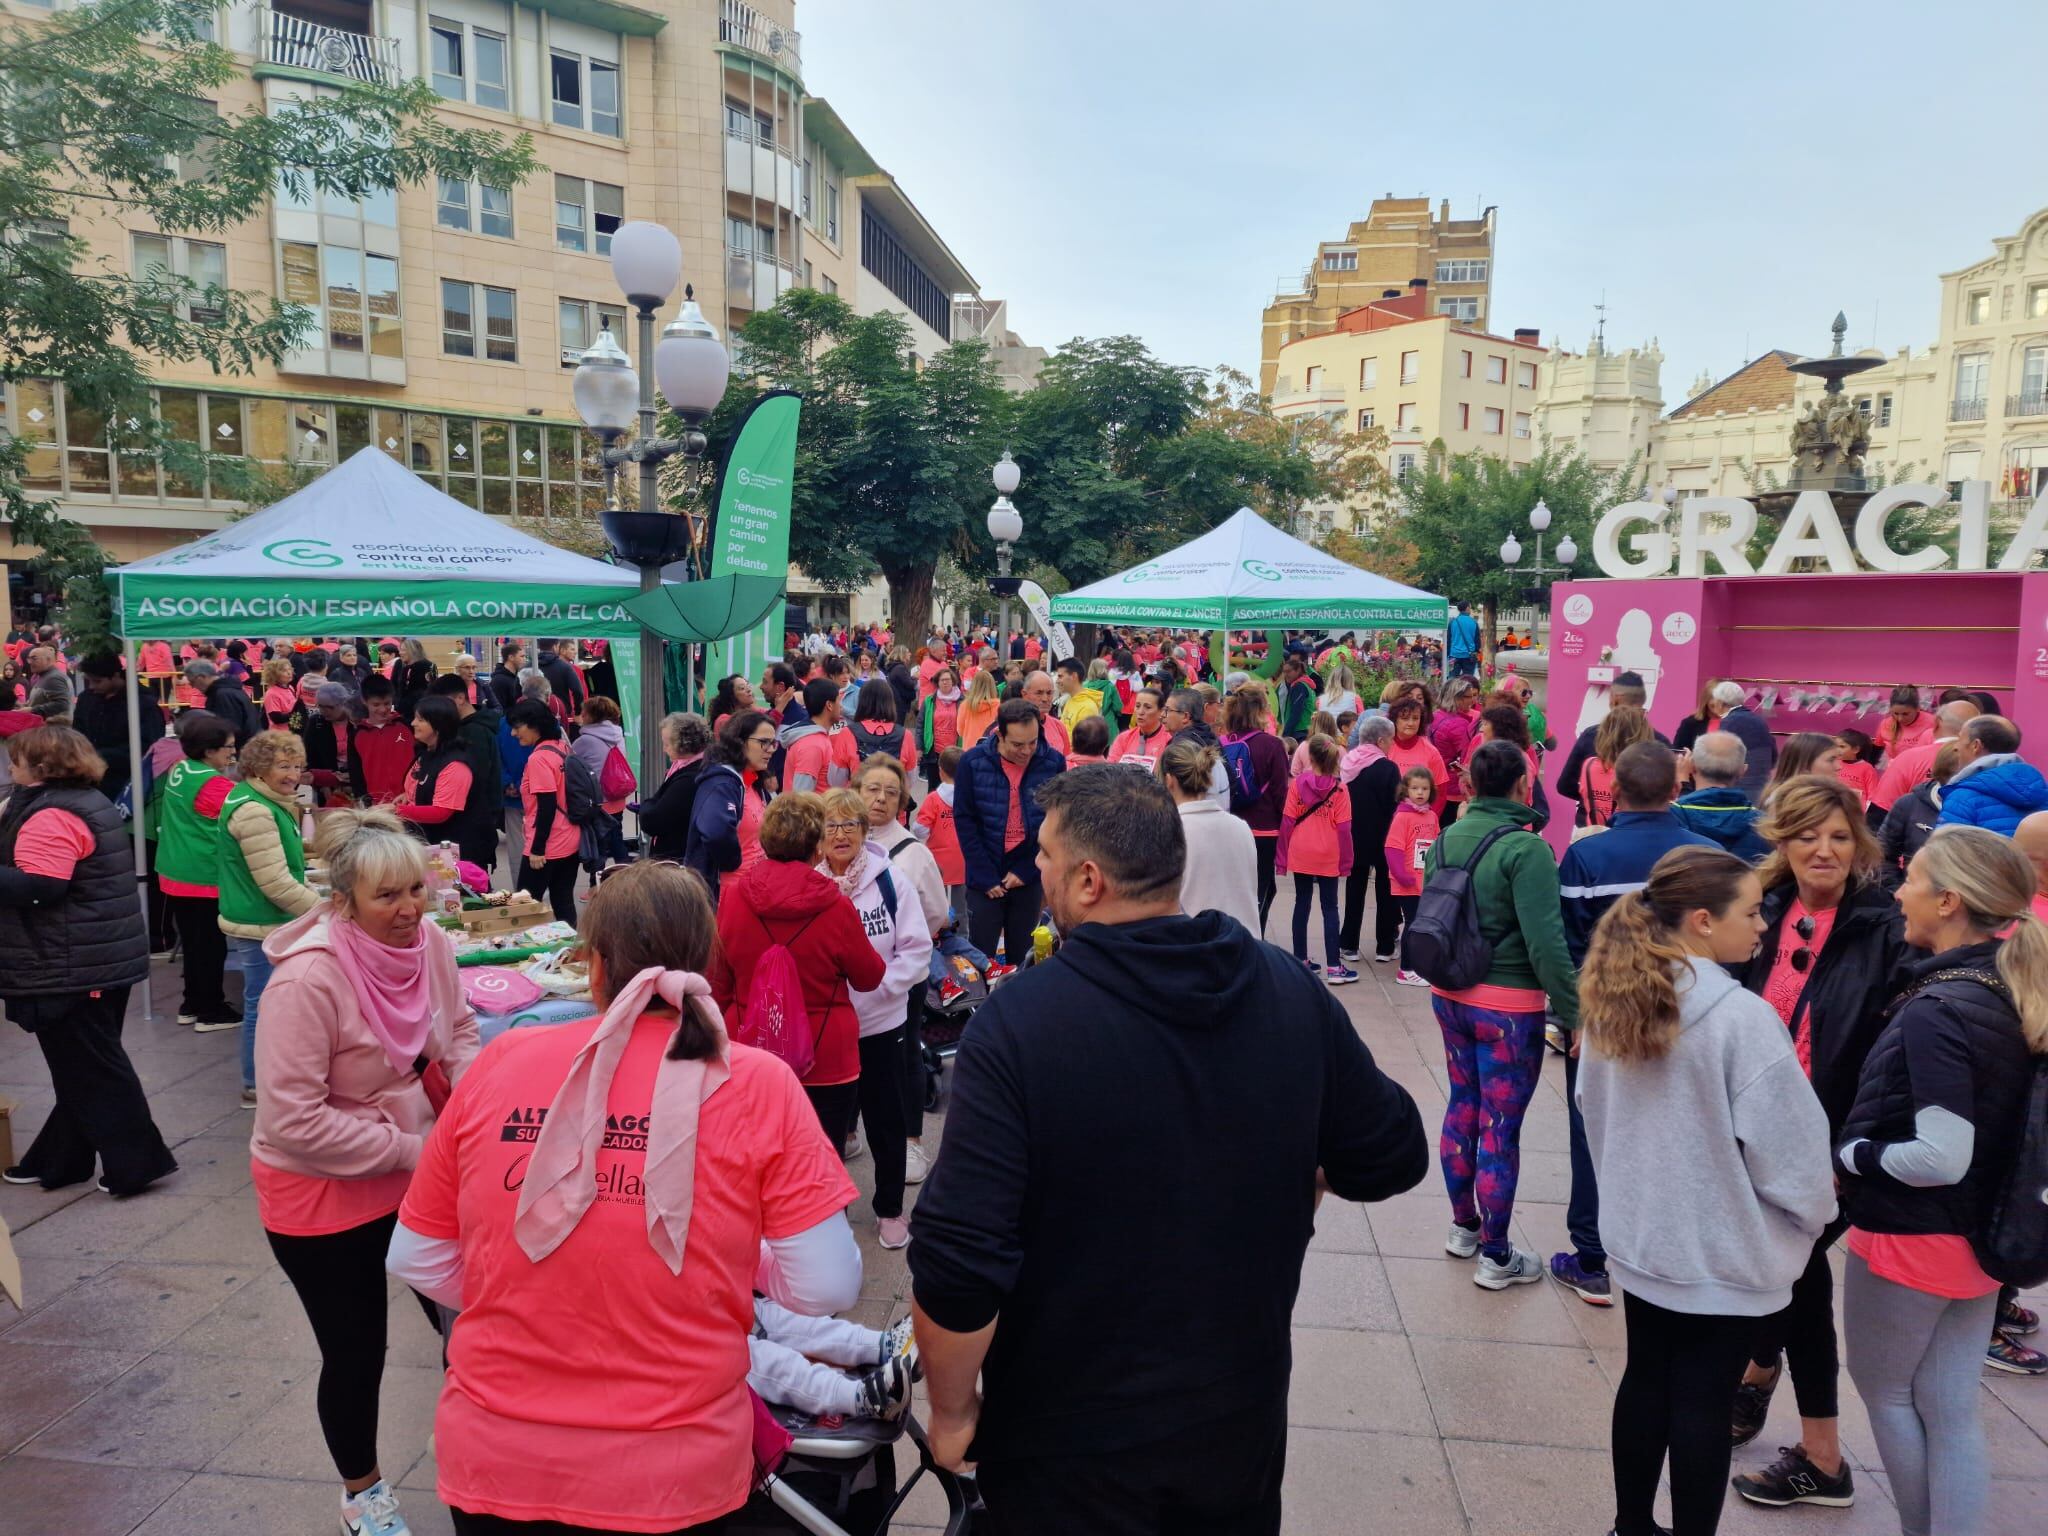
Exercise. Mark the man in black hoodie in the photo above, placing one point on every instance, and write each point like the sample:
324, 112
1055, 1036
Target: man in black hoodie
1237, 1085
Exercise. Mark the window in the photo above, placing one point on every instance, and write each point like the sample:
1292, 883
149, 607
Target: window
458, 322
1461, 271
1340, 261
1466, 310
1411, 367
832, 210
452, 206
882, 254
565, 85
803, 192
1315, 379
196, 163
1464, 365
1369, 373
463, 205
1365, 421
582, 321
491, 87
739, 236
604, 98
202, 265
1404, 465
1464, 417
446, 37
1404, 417
1496, 370
1522, 424
1970, 376
345, 327
1961, 465
830, 285
1525, 375
1978, 310
1884, 410
587, 214
1490, 421
495, 214
2037, 302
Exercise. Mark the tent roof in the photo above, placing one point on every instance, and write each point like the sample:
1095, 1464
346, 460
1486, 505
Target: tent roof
1246, 572
370, 543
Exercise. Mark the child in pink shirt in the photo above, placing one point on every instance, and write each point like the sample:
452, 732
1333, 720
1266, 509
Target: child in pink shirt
1857, 770
1315, 846
1415, 826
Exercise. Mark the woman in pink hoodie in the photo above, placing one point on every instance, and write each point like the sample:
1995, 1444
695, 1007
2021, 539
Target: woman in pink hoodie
364, 1030
1315, 844
1451, 733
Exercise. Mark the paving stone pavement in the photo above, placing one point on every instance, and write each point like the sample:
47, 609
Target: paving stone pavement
161, 1382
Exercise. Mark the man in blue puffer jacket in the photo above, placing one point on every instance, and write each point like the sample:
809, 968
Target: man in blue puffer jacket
995, 798
1994, 787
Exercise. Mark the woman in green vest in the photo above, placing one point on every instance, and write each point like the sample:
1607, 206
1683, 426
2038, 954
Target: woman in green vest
188, 801
262, 870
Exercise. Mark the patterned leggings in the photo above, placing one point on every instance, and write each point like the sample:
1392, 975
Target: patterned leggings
1494, 1060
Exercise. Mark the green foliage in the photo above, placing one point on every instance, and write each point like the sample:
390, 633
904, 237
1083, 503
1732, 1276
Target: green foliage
1456, 510
103, 120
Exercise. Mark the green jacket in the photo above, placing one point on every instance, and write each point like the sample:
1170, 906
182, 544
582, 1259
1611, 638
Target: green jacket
1112, 703
187, 836
1519, 912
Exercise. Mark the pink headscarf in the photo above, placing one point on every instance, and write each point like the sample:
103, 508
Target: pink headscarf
1357, 760
392, 986
561, 1177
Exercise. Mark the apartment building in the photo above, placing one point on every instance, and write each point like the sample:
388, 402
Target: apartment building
1398, 240
448, 319
1403, 365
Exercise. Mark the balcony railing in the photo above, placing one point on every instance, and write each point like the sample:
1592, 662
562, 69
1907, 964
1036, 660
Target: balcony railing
744, 27
2026, 404
755, 281
297, 44
1966, 410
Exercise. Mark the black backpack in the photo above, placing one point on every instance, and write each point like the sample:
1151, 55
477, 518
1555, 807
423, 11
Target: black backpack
1442, 943
2011, 1240
581, 802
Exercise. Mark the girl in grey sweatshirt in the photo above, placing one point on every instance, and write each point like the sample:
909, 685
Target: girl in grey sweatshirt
1713, 1163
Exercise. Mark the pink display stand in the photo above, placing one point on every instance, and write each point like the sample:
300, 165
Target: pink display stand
1790, 639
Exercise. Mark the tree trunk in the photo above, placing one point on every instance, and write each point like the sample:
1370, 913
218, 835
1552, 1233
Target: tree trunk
910, 602
1491, 617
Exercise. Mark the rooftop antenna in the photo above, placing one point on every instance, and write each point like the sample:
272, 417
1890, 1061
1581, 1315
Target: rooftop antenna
1600, 309
1876, 308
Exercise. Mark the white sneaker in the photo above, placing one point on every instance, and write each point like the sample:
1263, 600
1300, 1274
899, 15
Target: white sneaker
1463, 1242
1521, 1268
373, 1512
916, 1163
1409, 979
854, 1145
1347, 955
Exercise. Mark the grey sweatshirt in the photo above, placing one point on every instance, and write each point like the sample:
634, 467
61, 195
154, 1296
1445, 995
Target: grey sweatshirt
1713, 1162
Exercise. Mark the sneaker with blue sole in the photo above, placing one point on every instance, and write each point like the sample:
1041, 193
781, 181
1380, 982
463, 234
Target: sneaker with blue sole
1590, 1285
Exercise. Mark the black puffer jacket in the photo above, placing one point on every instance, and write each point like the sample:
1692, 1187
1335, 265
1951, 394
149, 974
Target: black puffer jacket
1907, 826
1954, 1045
1847, 990
93, 935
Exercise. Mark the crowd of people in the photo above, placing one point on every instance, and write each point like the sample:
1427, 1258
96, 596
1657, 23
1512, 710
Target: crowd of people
1796, 1004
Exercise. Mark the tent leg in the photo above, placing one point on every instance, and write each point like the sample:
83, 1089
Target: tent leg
134, 650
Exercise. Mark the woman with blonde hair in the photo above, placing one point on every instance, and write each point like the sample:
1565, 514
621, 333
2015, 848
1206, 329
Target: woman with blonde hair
364, 1030
280, 693
1712, 1156
978, 707
1832, 946
412, 675
1804, 753
1321, 723
1222, 870
1938, 1118
1624, 726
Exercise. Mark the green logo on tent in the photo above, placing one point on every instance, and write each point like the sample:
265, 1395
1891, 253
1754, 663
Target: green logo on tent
1260, 569
1140, 573
313, 554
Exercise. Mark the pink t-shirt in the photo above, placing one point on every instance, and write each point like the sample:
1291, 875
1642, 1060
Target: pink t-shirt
1861, 777
50, 843
1937, 1263
750, 825
1786, 981
305, 1205
595, 1388
545, 776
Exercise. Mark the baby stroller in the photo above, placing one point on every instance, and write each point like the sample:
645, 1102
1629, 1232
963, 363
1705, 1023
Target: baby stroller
837, 1477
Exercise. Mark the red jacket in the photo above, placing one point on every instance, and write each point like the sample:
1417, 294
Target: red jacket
793, 905
380, 760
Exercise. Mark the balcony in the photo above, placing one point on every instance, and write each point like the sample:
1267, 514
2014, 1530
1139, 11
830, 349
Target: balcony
755, 167
754, 281
743, 27
290, 42
1966, 410
2027, 404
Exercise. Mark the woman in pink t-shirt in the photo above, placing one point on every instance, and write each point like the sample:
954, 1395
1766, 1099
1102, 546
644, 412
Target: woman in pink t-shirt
662, 1174
364, 1028
549, 866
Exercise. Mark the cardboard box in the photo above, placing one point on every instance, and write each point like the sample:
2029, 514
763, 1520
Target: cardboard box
522, 911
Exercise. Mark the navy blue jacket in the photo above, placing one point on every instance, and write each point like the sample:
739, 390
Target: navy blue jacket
1599, 869
1747, 727
713, 845
981, 813
1726, 815
1996, 792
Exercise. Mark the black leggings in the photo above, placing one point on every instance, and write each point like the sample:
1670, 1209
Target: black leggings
554, 882
836, 1106
1674, 1399
1269, 882
881, 1110
1805, 1331
913, 1063
340, 1280
205, 952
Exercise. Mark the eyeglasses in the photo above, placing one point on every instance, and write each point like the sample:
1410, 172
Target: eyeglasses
844, 826
1802, 957
761, 741
609, 870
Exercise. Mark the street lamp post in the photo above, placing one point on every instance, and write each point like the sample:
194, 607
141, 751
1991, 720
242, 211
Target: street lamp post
1536, 570
1006, 527
691, 365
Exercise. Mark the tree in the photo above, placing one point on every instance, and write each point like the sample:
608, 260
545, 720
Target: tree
892, 459
1456, 511
105, 117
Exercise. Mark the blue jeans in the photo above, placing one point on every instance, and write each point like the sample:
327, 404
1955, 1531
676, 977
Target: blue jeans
949, 943
247, 957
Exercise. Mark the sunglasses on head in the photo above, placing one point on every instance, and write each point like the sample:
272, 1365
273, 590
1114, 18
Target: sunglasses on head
609, 870
1802, 957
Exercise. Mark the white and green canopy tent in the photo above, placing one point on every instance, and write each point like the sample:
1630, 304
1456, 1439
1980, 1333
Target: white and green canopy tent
1246, 574
369, 548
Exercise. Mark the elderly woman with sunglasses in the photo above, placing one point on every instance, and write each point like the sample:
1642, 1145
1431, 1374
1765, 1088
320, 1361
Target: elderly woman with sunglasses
1830, 953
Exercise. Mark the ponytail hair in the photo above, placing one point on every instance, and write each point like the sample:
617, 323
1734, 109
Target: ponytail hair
1628, 991
1996, 883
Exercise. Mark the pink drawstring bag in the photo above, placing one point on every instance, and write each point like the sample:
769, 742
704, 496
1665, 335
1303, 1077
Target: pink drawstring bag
495, 989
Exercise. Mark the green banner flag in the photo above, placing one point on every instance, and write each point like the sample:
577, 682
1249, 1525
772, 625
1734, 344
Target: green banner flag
751, 534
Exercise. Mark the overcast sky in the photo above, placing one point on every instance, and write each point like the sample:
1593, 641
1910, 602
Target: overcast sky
1727, 176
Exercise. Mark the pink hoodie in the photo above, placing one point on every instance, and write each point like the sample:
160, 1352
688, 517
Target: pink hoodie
1356, 761
330, 1103
1315, 828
